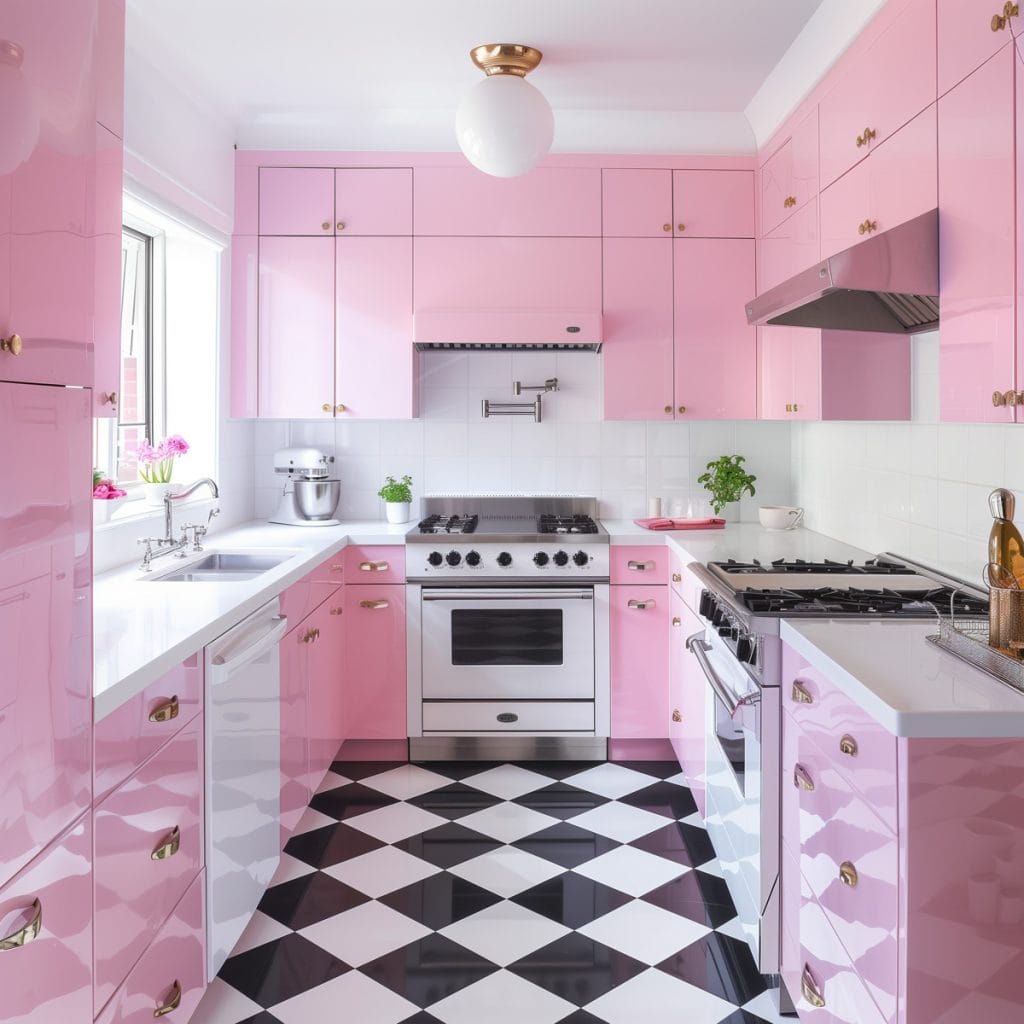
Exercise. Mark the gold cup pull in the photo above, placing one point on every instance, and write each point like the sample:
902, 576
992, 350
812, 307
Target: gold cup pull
802, 779
642, 606
848, 746
13, 344
23, 936
173, 1001
789, 407
374, 605
800, 694
848, 874
169, 847
666, 227
340, 226
789, 202
165, 712
676, 621
327, 407
374, 566
677, 715
810, 989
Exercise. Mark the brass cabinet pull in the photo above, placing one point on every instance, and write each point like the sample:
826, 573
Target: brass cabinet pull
341, 408
677, 715
340, 226
1010, 398
869, 134
801, 695
666, 227
676, 621
682, 408
374, 605
642, 606
639, 566
311, 636
796, 407
668, 408
337, 611
848, 874
802, 778
867, 227
23, 936
810, 989
165, 712
326, 225
680, 227
374, 566
848, 745
13, 344
789, 407
999, 21
677, 577
108, 399
789, 202
169, 847
327, 407
172, 1003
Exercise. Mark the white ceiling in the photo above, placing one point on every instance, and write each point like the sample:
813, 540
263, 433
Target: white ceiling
641, 76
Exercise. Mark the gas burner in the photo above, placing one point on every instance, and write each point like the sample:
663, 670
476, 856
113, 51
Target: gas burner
873, 567
826, 601
438, 523
578, 523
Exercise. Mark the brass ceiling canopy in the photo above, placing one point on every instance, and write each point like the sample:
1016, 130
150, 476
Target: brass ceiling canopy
505, 58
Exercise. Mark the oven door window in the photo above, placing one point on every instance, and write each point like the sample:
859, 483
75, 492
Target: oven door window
507, 636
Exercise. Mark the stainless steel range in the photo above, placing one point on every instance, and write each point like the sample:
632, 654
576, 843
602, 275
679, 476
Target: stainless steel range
740, 653
508, 629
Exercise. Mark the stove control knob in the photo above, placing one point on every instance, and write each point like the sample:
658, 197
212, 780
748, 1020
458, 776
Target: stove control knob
473, 558
728, 632
540, 558
717, 617
707, 604
560, 558
745, 650
504, 558
435, 558
580, 558
453, 558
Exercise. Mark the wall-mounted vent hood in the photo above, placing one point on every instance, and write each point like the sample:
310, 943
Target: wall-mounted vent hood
507, 329
887, 283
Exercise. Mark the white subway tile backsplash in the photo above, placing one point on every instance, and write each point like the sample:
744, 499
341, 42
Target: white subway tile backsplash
443, 439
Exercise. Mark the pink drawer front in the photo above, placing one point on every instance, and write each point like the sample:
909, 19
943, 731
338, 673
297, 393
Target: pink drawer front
383, 564
863, 752
173, 969
49, 980
311, 591
639, 563
149, 848
137, 729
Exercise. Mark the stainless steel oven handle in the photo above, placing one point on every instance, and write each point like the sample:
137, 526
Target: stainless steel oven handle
699, 647
507, 595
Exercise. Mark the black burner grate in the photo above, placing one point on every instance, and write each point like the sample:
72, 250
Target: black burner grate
836, 601
566, 524
448, 524
872, 567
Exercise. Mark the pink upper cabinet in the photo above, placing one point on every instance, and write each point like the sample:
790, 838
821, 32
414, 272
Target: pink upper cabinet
638, 347
245, 268
977, 249
636, 202
107, 257
789, 368
296, 201
375, 360
790, 176
546, 201
715, 349
790, 248
373, 201
713, 204
110, 66
639, 661
966, 38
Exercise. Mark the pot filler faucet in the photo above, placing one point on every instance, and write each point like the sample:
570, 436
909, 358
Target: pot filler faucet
167, 543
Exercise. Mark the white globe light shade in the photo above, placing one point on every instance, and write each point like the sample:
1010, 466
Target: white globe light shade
504, 126
19, 120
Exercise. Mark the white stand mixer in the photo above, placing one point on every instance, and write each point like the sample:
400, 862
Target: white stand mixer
310, 497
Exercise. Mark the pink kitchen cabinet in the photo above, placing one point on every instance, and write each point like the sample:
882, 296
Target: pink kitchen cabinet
636, 202
790, 248
245, 271
295, 774
715, 348
687, 689
789, 178
110, 66
296, 201
639, 655
368, 563
373, 201
106, 232
789, 372
713, 204
635, 564
966, 38
326, 709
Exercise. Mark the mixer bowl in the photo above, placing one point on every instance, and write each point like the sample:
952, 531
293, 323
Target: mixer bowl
317, 499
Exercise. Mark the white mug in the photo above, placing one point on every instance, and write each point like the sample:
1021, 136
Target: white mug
780, 517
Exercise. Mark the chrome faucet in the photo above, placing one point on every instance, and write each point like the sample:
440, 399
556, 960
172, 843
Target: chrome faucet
167, 544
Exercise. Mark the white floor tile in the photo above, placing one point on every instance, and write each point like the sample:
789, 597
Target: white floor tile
693, 819
312, 820
505, 932
507, 822
259, 930
508, 781
631, 871
352, 996
619, 821
501, 998
224, 1004
506, 871
406, 781
381, 871
712, 867
332, 780
679, 780
396, 822
655, 997
364, 933
733, 929
611, 780
766, 1006
645, 932
290, 868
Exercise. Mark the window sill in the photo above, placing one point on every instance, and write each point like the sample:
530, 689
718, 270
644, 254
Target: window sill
134, 510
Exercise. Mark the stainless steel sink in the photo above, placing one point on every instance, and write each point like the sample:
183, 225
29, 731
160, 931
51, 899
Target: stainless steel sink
224, 567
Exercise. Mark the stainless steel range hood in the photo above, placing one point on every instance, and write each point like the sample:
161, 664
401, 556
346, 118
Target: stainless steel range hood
508, 329
887, 283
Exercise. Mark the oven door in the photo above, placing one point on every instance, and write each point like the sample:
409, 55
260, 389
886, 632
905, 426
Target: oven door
493, 643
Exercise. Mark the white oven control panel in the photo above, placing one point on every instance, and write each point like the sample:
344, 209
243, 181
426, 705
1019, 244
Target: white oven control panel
563, 559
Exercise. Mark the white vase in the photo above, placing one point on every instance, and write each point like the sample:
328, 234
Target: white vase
397, 511
155, 493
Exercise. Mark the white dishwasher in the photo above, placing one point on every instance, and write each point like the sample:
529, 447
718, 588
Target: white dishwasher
243, 774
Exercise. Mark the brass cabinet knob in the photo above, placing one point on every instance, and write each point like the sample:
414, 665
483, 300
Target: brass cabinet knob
789, 202
169, 845
802, 778
796, 407
869, 134
867, 227
677, 715
326, 225
848, 874
310, 636
165, 712
677, 577
668, 408
666, 227
341, 407
109, 399
340, 226
680, 227
848, 746
23, 936
801, 695
676, 621
998, 398
810, 990
682, 409
172, 1003
327, 407
13, 344
374, 605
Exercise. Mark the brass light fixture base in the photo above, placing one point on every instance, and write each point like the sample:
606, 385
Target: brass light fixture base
505, 58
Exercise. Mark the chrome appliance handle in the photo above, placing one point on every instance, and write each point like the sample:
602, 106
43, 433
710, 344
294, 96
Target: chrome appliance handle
507, 595
699, 647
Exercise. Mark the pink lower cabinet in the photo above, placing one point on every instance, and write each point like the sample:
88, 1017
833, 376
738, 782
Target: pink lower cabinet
295, 776
376, 564
46, 934
687, 689
326, 704
640, 660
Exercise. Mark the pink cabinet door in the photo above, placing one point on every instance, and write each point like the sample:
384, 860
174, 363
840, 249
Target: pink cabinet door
789, 178
296, 201
713, 204
966, 39
149, 848
295, 788
844, 207
373, 201
636, 202
245, 270
107, 269
110, 66
688, 740
296, 328
903, 174
375, 667
790, 248
326, 713
375, 361
49, 979
639, 563
775, 352
45, 618
638, 339
715, 348
808, 385
562, 201
977, 245
639, 661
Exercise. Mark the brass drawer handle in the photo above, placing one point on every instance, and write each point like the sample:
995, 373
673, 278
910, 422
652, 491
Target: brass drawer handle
677, 715
848, 746
172, 1004
801, 695
869, 134
999, 21
374, 566
337, 611
867, 227
13, 344
810, 990
802, 779
639, 566
169, 847
676, 621
165, 712
848, 874
109, 399
642, 606
23, 936
374, 605
677, 577
789, 202
311, 636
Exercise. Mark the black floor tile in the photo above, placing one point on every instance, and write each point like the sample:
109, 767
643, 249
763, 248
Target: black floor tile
261, 1018
659, 769
571, 899
348, 801
720, 964
307, 900
278, 970
566, 844
663, 798
331, 845
560, 769
698, 895
357, 770
459, 770
674, 842
746, 1017
561, 800
420, 1018
448, 845
440, 900
455, 801
581, 1017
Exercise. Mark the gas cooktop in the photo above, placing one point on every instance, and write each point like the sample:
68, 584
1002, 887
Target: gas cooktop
879, 566
854, 600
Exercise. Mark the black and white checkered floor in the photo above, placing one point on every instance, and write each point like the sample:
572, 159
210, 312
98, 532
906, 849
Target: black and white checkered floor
506, 894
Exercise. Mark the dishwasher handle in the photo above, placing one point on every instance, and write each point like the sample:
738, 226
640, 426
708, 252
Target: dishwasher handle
221, 667
699, 647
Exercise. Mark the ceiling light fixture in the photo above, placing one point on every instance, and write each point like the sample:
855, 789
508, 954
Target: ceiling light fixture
504, 125
19, 120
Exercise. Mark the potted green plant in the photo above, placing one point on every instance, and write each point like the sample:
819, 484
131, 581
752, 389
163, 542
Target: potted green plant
726, 481
397, 495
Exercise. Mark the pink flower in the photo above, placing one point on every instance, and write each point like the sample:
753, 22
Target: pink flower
145, 452
176, 445
106, 490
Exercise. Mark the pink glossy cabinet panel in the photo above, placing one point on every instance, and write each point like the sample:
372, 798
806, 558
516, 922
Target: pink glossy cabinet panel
789, 369
364, 563
639, 661
374, 366
373, 201
110, 66
688, 689
245, 271
45, 617
966, 38
789, 178
638, 331
715, 348
977, 243
296, 327
791, 247
296, 201
149, 848
375, 662
636, 202
49, 979
295, 778
326, 710
106, 228
547, 201
639, 563
713, 204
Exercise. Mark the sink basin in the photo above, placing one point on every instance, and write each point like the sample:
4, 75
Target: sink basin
224, 567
